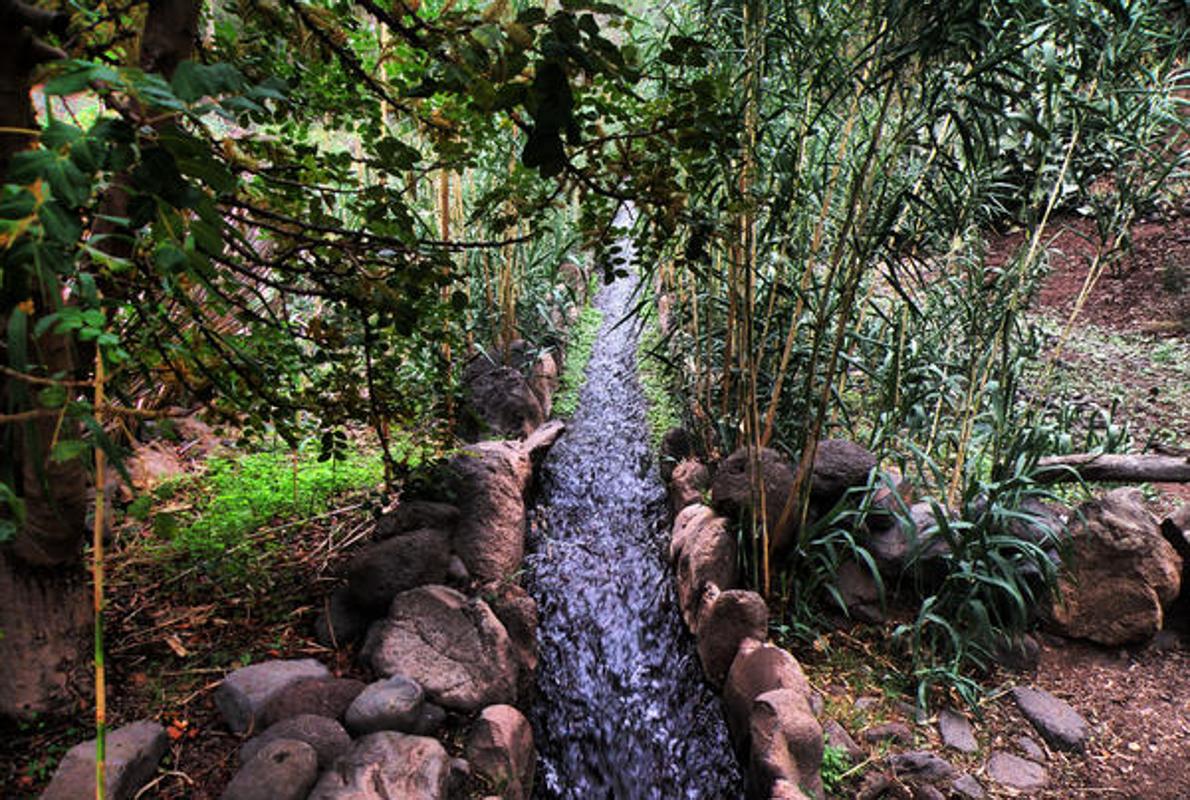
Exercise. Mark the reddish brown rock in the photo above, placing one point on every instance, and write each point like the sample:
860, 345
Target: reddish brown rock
786, 743
727, 620
454, 647
500, 747
1124, 572
758, 668
707, 554
690, 479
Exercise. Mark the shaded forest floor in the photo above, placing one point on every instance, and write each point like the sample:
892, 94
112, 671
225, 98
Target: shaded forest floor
174, 631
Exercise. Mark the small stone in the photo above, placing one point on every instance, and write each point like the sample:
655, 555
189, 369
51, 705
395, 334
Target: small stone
1030, 748
956, 731
243, 694
1054, 719
897, 732
838, 737
967, 786
326, 736
922, 765
393, 704
284, 769
926, 791
131, 757
1016, 772
324, 697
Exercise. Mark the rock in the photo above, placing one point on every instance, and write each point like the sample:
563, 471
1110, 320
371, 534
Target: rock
152, 463
967, 786
392, 704
758, 668
1030, 748
686, 522
784, 790
927, 791
1176, 530
539, 442
839, 465
837, 737
326, 697
502, 400
730, 618
500, 747
244, 693
1124, 573
517, 612
731, 490
454, 647
326, 736
429, 720
882, 786
897, 732
575, 279
956, 731
676, 446
785, 743
1016, 772
382, 571
340, 621
489, 480
689, 480
1054, 719
456, 571
707, 555
283, 769
412, 515
544, 382
131, 757
922, 766
1020, 653
860, 592
386, 766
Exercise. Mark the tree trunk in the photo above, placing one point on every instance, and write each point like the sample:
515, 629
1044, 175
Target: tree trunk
1113, 467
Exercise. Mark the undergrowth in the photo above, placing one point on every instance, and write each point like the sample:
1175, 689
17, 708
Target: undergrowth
578, 354
662, 413
234, 498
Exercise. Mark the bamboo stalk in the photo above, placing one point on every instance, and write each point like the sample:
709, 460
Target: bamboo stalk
97, 582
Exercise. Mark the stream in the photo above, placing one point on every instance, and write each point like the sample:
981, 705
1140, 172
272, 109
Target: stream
623, 710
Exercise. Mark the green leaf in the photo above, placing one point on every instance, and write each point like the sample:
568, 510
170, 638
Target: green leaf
68, 450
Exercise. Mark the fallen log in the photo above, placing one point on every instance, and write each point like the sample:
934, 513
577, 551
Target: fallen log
1114, 467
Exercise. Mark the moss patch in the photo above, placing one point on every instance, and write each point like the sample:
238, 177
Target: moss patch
578, 354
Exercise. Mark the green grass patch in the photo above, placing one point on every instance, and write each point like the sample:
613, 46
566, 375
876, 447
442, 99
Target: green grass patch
578, 355
663, 412
236, 497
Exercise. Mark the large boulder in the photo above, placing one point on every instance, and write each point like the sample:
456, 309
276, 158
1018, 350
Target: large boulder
728, 619
385, 766
1123, 573
454, 647
731, 490
489, 480
786, 743
1176, 530
500, 748
705, 554
131, 757
283, 769
244, 693
758, 668
383, 570
502, 399
839, 465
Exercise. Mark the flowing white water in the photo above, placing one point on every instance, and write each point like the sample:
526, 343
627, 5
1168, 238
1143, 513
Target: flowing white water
623, 710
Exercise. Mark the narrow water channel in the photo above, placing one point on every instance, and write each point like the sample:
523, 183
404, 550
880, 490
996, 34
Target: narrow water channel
623, 710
